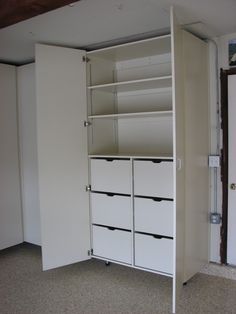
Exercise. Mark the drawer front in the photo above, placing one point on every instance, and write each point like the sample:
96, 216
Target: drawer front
111, 210
152, 253
153, 178
112, 244
111, 175
152, 216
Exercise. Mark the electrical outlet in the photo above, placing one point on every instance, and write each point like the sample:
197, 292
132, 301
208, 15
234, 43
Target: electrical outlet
215, 218
214, 161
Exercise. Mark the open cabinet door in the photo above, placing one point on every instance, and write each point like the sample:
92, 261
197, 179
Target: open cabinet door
191, 147
179, 154
197, 137
62, 155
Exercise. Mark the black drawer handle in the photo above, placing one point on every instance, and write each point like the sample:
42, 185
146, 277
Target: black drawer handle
156, 199
112, 159
158, 161
157, 236
110, 194
111, 228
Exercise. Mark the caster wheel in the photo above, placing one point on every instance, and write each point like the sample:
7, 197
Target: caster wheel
107, 263
185, 284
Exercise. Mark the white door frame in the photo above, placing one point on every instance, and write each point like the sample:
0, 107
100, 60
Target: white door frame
231, 248
225, 162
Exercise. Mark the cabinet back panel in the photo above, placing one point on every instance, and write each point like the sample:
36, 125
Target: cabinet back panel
139, 49
145, 100
143, 68
150, 135
103, 136
100, 71
102, 102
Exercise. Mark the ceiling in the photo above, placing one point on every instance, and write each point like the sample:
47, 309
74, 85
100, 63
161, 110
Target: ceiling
90, 22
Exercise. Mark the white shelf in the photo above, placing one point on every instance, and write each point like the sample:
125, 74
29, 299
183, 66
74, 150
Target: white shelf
131, 155
142, 84
132, 114
136, 49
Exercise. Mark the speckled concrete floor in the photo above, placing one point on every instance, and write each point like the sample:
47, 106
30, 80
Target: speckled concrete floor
220, 270
91, 287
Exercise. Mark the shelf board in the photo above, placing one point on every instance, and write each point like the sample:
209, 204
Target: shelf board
132, 114
148, 83
131, 155
136, 49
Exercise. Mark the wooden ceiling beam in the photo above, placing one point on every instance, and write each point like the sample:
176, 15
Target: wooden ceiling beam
14, 11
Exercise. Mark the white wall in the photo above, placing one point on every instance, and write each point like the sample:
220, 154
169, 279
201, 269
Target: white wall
28, 153
10, 199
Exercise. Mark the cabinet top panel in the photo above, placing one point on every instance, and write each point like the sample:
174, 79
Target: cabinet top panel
133, 50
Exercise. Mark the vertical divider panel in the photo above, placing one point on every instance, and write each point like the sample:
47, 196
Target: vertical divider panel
90, 206
132, 208
179, 152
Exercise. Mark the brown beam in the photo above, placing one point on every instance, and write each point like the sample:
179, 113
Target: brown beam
14, 11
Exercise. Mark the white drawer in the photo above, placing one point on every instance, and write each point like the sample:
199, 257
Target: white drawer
152, 253
112, 244
154, 216
111, 210
111, 175
153, 178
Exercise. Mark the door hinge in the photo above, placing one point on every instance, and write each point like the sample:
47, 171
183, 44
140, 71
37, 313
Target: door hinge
87, 123
85, 59
88, 188
90, 252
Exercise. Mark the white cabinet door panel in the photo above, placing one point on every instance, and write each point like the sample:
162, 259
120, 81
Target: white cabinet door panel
153, 253
112, 244
111, 175
111, 210
62, 155
153, 178
153, 216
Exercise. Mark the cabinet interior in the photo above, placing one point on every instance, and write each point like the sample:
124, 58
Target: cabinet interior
130, 98
130, 128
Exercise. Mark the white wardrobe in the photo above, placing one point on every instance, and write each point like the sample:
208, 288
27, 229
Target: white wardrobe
122, 140
122, 149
